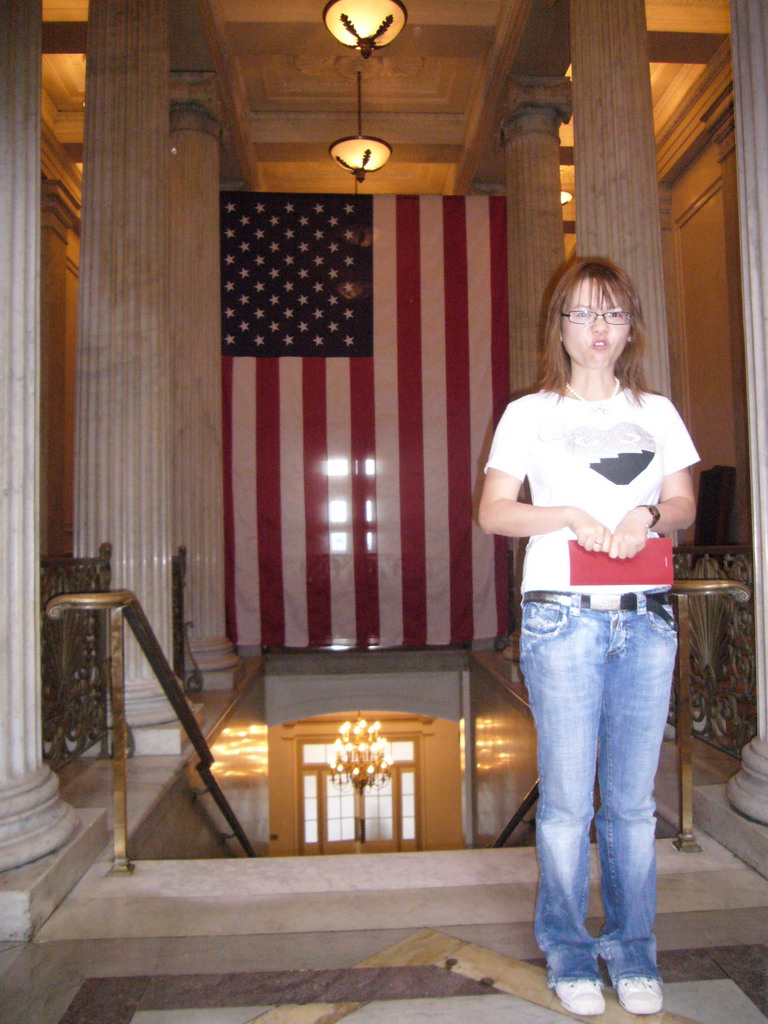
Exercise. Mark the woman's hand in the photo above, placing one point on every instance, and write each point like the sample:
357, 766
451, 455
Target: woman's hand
591, 534
630, 536
627, 540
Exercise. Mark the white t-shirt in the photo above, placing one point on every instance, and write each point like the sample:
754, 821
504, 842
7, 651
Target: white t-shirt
604, 458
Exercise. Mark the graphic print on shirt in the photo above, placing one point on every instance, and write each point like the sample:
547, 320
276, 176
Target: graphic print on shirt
619, 452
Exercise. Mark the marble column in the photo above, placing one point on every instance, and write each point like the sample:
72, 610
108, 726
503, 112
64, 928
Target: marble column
123, 440
677, 391
616, 191
748, 789
33, 820
60, 215
535, 110
195, 331
724, 136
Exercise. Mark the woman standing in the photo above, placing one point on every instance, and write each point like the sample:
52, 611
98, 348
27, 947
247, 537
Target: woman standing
607, 464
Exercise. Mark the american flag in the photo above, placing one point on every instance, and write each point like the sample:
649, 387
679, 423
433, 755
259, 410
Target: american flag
351, 483
296, 275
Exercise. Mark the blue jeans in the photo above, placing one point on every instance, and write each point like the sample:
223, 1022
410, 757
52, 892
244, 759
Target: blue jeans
599, 685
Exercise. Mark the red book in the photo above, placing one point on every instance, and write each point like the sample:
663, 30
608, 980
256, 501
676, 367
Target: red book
651, 567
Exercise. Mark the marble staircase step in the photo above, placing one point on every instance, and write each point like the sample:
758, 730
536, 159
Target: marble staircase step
460, 888
30, 894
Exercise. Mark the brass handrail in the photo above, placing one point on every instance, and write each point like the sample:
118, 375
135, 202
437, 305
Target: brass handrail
119, 604
682, 590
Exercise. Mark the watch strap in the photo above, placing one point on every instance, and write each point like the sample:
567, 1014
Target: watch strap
655, 515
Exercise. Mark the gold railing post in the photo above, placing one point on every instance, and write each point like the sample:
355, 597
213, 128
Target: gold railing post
111, 604
686, 840
121, 864
682, 590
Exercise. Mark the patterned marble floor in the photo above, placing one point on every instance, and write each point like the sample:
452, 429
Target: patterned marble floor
178, 944
426, 976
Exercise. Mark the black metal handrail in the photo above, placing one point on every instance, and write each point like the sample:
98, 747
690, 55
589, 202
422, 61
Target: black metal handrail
119, 604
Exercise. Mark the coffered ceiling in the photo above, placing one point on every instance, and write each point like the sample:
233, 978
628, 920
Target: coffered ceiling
436, 94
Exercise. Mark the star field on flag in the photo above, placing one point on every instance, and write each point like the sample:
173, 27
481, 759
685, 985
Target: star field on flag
296, 274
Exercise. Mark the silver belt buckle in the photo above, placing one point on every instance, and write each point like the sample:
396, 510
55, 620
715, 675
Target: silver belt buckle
605, 602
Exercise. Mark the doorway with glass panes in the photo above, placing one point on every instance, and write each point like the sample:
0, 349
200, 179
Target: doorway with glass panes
328, 808
420, 809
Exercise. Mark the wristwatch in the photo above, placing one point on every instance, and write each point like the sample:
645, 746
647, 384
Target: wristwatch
655, 515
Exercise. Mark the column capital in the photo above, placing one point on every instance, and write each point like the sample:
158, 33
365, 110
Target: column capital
536, 104
194, 102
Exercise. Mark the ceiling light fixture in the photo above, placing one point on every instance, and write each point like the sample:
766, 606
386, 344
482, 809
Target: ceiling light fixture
366, 25
360, 153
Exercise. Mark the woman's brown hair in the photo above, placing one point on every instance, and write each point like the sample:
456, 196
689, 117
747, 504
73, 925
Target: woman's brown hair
610, 285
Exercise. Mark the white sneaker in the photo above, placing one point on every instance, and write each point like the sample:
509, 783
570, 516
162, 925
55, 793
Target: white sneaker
640, 995
584, 997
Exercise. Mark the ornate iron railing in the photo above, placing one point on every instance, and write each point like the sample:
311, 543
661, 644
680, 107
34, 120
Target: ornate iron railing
191, 677
73, 661
113, 608
723, 679
74, 652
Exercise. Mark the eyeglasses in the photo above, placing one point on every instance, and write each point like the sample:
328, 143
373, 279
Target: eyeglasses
618, 318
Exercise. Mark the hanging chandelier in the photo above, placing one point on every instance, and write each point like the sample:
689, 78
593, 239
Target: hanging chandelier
366, 25
359, 154
360, 756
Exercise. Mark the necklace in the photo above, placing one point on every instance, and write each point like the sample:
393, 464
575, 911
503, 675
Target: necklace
600, 406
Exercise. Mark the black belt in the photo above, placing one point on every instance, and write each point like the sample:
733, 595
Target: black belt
657, 602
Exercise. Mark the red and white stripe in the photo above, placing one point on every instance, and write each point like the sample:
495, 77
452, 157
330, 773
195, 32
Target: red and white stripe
417, 569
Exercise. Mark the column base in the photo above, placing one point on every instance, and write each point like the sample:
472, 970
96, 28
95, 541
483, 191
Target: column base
34, 821
217, 661
158, 739
155, 729
715, 814
30, 894
748, 789
146, 704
